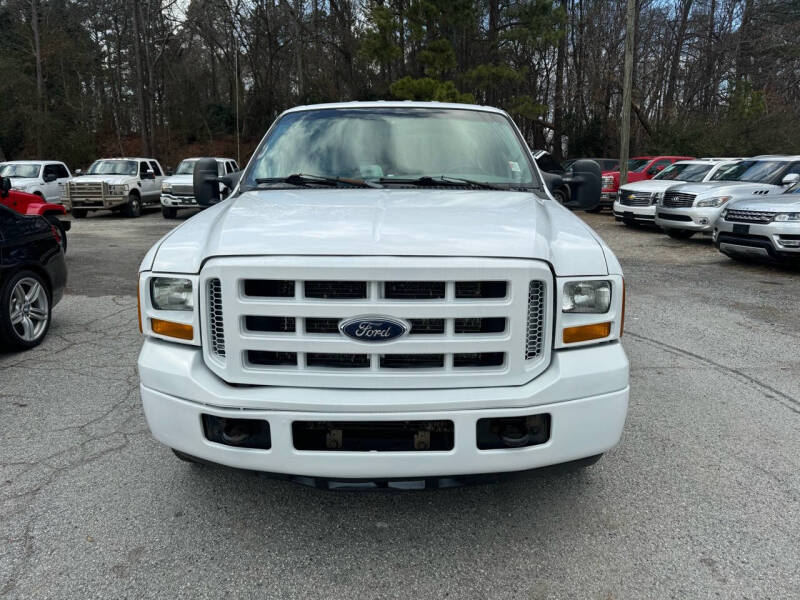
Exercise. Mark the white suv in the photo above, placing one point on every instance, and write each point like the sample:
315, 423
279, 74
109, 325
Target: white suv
118, 184
694, 207
636, 202
45, 178
177, 191
390, 291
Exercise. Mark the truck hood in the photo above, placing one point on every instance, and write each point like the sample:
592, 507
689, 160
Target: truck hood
21, 182
346, 222
739, 189
109, 179
179, 179
774, 203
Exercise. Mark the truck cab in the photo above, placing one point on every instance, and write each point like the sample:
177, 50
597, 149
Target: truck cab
43, 178
122, 185
389, 292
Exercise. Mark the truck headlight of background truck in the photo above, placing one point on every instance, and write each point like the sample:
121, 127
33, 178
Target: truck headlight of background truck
166, 188
118, 189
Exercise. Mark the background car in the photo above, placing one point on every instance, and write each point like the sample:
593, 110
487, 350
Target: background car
32, 278
639, 168
690, 208
636, 202
45, 178
761, 227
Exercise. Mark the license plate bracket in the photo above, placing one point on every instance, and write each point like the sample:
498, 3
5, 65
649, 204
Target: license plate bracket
741, 228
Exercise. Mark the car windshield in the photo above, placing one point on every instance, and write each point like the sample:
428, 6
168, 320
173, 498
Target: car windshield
113, 167
394, 143
684, 172
186, 167
20, 170
754, 171
637, 164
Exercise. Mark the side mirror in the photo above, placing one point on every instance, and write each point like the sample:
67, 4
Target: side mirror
205, 182
790, 179
230, 180
149, 174
50, 177
78, 172
585, 185
5, 185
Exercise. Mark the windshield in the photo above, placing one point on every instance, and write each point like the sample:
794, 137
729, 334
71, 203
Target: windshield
20, 170
685, 172
637, 164
186, 167
114, 167
402, 143
755, 171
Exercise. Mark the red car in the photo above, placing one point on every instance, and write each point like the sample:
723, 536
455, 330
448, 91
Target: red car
639, 168
31, 204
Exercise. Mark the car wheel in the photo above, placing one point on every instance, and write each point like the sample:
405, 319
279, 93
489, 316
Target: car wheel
134, 206
596, 209
79, 213
169, 212
561, 196
24, 310
679, 234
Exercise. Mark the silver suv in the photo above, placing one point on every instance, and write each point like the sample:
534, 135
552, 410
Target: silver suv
768, 228
694, 207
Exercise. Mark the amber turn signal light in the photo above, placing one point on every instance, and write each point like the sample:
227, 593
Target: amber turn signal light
139, 306
170, 329
584, 333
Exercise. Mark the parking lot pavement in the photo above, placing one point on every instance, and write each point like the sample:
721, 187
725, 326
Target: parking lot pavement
700, 499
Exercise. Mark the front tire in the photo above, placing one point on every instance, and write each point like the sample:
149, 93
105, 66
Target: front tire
134, 206
679, 234
25, 310
169, 212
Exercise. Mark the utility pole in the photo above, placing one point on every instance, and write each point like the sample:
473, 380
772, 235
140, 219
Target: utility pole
627, 86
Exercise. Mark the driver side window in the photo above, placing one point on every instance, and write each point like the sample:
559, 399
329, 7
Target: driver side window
143, 166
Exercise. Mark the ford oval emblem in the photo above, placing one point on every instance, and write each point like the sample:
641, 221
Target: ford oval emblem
373, 328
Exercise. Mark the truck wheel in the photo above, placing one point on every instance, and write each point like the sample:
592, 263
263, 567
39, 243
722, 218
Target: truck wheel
24, 310
169, 212
79, 213
679, 234
561, 196
134, 206
596, 209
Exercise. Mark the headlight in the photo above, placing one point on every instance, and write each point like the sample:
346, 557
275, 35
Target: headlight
712, 202
608, 182
782, 217
170, 293
657, 198
586, 297
166, 188
118, 190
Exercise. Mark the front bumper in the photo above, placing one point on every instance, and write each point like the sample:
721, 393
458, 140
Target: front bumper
178, 201
634, 213
585, 391
106, 202
690, 218
608, 198
773, 240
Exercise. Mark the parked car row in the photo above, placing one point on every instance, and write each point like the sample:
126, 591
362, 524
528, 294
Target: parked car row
122, 185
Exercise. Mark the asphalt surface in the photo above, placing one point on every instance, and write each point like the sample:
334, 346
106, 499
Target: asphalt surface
700, 499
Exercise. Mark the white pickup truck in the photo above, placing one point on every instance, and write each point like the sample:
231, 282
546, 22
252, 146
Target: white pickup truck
177, 190
44, 178
117, 184
389, 292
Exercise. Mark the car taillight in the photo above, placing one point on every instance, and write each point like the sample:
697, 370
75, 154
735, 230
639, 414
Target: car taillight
56, 233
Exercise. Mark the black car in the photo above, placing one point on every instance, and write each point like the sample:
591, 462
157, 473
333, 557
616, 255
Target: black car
33, 274
563, 186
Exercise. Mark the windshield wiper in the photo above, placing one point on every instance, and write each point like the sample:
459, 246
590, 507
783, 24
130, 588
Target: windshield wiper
442, 180
305, 180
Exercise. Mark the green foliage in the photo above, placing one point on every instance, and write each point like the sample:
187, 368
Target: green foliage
378, 43
426, 89
438, 58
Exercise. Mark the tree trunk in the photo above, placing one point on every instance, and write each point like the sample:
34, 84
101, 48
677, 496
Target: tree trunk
558, 96
140, 91
37, 54
680, 37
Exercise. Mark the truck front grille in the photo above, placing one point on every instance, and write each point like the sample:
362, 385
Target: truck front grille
749, 216
679, 199
183, 190
636, 198
86, 191
465, 329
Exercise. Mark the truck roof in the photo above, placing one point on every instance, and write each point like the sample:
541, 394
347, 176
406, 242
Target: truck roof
127, 158
30, 162
217, 158
396, 104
